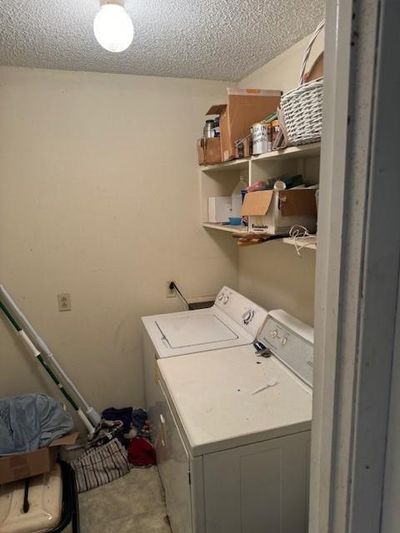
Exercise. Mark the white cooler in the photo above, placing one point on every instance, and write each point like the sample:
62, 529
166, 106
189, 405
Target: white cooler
50, 502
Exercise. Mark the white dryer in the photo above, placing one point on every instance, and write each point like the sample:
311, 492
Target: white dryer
233, 320
233, 449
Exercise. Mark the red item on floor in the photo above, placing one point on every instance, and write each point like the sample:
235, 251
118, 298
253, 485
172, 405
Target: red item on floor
141, 452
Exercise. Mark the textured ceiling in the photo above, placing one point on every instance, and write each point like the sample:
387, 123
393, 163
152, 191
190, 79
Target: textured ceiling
210, 39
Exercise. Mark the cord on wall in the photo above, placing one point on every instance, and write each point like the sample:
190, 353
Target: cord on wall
174, 286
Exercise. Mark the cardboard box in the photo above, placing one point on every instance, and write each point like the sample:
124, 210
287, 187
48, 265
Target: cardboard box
275, 212
244, 148
209, 150
41, 461
219, 209
244, 108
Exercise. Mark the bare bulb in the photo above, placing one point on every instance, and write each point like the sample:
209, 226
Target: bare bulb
113, 27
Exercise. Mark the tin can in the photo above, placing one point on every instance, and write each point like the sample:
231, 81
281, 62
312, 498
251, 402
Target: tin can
208, 129
260, 138
269, 137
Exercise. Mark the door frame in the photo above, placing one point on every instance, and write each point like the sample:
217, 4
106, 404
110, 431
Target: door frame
358, 265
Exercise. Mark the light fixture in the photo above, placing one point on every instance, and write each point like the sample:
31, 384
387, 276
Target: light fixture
113, 26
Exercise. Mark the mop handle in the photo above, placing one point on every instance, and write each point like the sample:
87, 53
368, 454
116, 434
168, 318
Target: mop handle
90, 412
35, 352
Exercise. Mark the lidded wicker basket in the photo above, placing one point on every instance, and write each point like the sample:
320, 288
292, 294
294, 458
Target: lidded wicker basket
302, 107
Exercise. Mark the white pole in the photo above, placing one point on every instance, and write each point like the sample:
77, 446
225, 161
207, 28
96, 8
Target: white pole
91, 413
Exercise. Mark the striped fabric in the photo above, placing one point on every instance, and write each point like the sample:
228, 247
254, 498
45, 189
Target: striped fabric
99, 466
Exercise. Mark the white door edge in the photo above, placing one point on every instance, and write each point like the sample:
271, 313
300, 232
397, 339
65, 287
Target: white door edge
357, 266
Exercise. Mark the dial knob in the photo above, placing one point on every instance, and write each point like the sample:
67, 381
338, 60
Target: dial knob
220, 296
283, 341
226, 299
274, 333
248, 316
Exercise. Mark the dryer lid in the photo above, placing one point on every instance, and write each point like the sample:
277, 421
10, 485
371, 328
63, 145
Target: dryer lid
215, 397
194, 330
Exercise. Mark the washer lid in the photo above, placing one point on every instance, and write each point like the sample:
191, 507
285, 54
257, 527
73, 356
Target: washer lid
194, 330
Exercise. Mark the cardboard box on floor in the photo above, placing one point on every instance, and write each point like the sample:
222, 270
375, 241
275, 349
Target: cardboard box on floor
41, 461
275, 212
244, 108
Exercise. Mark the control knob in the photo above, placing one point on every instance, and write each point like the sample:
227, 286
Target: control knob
274, 333
248, 316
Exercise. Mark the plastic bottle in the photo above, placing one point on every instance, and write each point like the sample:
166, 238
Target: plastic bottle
237, 199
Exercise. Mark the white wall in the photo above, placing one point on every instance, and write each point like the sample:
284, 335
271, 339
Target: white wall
272, 273
99, 197
284, 70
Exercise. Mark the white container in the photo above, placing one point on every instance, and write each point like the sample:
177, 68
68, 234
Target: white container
236, 206
45, 501
237, 198
260, 138
219, 209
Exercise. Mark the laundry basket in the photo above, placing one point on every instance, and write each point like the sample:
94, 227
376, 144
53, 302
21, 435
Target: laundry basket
302, 107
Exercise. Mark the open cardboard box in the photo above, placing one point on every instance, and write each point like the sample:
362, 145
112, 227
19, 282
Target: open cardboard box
244, 108
209, 151
275, 212
28, 464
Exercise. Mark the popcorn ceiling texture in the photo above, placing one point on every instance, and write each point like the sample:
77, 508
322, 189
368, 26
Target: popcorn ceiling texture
208, 39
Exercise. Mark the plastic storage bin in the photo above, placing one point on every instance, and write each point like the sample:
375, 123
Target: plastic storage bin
44, 503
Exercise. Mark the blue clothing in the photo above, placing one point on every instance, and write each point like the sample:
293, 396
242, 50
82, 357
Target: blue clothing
31, 421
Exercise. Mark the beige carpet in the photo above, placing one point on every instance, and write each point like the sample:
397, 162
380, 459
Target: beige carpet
132, 504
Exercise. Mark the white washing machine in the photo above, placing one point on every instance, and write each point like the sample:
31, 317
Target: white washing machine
233, 320
233, 449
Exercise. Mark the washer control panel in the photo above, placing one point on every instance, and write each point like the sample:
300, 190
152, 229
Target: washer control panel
291, 341
242, 310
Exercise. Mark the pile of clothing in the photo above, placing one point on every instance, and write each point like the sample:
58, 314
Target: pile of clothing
121, 442
134, 435
31, 421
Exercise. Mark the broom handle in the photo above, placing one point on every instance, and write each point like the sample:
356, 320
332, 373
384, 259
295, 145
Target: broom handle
91, 413
35, 352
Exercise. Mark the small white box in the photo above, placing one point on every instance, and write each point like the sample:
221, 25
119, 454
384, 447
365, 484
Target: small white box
219, 209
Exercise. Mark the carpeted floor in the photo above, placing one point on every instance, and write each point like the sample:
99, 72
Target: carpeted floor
131, 504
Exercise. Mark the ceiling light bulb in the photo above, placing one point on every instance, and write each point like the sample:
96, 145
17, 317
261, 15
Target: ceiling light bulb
113, 26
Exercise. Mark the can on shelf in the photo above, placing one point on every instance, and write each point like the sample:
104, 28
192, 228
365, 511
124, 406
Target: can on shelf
259, 132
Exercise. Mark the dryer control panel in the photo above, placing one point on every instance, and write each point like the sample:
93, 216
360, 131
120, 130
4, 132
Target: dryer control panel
242, 310
291, 341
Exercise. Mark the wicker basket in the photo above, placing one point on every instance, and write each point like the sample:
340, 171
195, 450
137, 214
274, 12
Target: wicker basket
302, 107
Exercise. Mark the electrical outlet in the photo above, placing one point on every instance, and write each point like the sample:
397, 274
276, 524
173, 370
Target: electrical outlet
64, 301
171, 293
